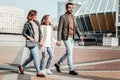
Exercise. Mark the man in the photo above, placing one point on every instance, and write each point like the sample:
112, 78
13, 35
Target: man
66, 31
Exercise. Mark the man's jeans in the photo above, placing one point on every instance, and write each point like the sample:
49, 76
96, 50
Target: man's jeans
33, 56
69, 53
50, 52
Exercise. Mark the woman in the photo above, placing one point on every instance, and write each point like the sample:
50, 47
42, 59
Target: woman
32, 33
47, 43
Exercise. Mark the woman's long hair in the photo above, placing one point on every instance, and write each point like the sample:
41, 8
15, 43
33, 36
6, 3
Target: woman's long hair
44, 20
31, 14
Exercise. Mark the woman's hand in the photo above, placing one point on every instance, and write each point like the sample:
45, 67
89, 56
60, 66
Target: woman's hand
40, 45
31, 39
81, 38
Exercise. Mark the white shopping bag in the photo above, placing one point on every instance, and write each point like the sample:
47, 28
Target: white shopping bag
23, 54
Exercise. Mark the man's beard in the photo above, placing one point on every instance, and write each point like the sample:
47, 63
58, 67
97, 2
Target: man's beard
70, 12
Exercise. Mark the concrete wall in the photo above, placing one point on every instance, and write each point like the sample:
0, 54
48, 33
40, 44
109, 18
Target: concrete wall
11, 40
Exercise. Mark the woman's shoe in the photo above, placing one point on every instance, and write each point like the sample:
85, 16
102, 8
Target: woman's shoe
40, 75
21, 69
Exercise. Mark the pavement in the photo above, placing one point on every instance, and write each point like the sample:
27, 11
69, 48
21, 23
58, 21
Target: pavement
91, 62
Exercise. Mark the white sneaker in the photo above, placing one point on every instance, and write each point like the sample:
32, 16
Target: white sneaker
48, 71
43, 72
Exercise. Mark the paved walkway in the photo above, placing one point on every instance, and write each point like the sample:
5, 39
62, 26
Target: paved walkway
11, 73
92, 63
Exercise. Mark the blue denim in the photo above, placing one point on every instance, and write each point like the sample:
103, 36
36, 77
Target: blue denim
69, 53
33, 56
50, 52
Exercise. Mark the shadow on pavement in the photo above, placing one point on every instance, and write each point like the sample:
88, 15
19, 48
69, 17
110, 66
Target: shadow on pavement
66, 74
7, 69
23, 77
11, 69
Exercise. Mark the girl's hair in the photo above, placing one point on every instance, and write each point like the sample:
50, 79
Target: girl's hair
31, 14
44, 20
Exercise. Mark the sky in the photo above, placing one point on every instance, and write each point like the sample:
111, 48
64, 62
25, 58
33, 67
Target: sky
42, 6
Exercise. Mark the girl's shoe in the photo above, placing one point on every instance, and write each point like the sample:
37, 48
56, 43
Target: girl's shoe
48, 71
43, 72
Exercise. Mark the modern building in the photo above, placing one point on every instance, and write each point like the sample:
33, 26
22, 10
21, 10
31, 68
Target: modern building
11, 26
11, 19
96, 19
118, 19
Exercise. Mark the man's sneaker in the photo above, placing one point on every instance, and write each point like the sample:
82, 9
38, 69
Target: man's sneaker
43, 72
48, 71
57, 68
73, 73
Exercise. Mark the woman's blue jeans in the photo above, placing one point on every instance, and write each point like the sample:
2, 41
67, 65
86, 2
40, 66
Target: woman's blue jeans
33, 56
50, 52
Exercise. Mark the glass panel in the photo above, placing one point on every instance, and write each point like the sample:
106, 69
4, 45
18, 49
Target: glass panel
110, 22
79, 24
95, 7
119, 18
103, 5
102, 22
83, 23
110, 5
87, 11
119, 2
118, 10
88, 22
94, 22
114, 17
115, 7
83, 7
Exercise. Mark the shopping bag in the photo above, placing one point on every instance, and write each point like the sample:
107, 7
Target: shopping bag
22, 55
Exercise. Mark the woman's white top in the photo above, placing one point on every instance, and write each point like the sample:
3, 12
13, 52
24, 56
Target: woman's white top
35, 28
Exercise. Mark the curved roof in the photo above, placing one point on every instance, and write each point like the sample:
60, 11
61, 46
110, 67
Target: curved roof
97, 6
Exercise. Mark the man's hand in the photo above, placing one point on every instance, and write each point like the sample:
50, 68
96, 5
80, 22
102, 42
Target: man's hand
81, 38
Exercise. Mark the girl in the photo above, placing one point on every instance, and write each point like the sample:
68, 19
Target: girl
47, 43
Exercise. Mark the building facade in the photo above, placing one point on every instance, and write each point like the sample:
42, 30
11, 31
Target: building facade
11, 19
96, 18
11, 26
